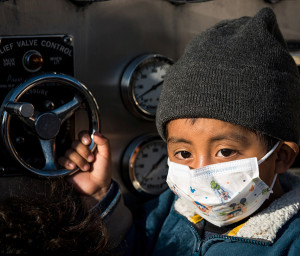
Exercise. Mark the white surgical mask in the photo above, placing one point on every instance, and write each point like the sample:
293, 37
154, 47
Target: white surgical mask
221, 193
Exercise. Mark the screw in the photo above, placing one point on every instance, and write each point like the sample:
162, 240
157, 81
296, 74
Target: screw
20, 140
49, 105
68, 40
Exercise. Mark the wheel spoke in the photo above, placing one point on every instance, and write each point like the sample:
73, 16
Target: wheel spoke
67, 110
49, 148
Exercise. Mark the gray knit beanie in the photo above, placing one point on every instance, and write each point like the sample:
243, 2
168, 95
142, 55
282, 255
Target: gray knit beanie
239, 71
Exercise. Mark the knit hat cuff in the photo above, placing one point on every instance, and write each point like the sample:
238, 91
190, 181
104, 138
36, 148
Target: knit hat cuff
235, 92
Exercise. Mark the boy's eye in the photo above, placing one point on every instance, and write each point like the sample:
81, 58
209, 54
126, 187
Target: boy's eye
225, 152
183, 155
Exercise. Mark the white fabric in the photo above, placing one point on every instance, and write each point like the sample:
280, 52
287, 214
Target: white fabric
221, 193
266, 224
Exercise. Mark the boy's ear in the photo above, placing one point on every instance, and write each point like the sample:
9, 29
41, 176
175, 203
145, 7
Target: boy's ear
286, 156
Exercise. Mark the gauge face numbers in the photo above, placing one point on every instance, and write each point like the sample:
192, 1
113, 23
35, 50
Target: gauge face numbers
147, 84
142, 83
148, 166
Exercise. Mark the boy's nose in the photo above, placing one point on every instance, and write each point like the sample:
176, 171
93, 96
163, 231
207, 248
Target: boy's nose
201, 162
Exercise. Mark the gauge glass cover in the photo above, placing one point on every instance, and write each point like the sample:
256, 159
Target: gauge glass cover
142, 84
146, 164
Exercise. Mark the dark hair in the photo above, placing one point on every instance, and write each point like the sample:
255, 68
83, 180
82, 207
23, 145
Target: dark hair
52, 223
268, 140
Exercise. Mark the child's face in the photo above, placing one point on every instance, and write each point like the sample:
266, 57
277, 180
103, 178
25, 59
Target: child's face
210, 141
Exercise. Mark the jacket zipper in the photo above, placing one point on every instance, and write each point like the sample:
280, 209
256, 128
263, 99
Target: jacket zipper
199, 240
195, 232
239, 239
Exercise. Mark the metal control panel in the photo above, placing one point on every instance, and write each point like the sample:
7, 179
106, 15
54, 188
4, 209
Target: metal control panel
103, 44
24, 56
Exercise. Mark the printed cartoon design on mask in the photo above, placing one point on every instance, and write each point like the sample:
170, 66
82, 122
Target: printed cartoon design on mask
259, 185
265, 191
206, 188
203, 208
220, 191
238, 208
175, 191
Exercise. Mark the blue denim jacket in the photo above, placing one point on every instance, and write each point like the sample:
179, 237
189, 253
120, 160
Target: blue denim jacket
162, 230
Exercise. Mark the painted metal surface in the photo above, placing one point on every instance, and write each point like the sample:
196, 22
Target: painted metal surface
108, 35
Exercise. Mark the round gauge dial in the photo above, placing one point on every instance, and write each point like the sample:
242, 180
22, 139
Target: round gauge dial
142, 82
145, 165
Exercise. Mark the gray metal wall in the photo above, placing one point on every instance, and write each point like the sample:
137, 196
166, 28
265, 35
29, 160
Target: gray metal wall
109, 34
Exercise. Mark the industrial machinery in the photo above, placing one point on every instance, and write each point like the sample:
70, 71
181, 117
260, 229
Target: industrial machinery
69, 65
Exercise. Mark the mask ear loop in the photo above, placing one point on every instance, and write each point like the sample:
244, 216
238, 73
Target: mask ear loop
269, 153
264, 158
273, 182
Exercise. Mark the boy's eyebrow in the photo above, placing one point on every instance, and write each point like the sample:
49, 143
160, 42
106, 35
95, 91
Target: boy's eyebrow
175, 140
231, 136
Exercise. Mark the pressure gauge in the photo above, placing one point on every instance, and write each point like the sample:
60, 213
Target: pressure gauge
141, 84
144, 165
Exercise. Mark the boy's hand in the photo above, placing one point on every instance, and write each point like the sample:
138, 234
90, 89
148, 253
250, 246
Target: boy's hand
94, 177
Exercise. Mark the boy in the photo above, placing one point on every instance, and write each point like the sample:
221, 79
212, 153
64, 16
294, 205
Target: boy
230, 114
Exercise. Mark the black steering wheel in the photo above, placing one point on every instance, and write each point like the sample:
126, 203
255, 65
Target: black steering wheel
43, 113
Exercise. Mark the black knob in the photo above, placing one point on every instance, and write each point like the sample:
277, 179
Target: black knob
32, 61
20, 108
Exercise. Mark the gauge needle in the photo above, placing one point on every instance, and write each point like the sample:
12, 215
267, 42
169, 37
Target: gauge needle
151, 89
154, 167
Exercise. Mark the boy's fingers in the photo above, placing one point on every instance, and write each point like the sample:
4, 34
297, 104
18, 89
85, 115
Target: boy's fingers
65, 162
99, 140
85, 138
83, 150
102, 145
77, 159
